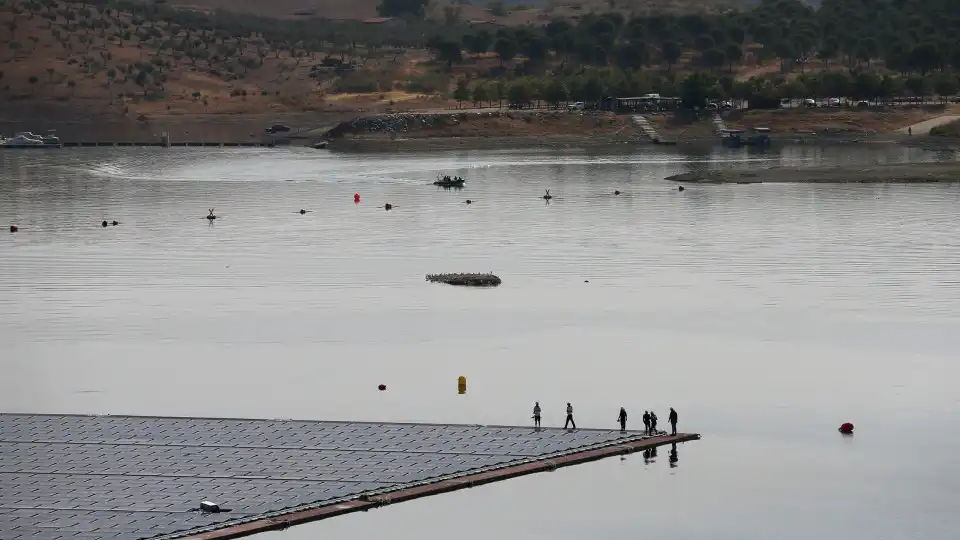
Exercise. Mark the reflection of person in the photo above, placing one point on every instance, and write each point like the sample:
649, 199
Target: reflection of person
536, 414
673, 455
622, 419
569, 417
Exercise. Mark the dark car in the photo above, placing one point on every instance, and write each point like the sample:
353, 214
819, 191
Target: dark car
277, 128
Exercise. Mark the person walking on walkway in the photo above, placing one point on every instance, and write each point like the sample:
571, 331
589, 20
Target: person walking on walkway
673, 420
622, 419
646, 422
653, 423
569, 417
536, 414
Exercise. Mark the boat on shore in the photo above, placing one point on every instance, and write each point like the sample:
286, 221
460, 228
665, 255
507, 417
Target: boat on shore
27, 139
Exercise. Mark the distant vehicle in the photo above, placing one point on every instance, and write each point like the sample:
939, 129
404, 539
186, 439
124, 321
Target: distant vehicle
809, 103
578, 106
833, 102
862, 103
277, 128
712, 106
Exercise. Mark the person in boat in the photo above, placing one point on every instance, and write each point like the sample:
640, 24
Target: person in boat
210, 214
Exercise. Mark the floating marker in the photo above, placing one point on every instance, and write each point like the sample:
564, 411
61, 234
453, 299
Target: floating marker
356, 197
104, 224
14, 228
382, 387
846, 428
461, 385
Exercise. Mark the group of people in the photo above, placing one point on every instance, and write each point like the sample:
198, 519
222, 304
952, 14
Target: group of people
649, 419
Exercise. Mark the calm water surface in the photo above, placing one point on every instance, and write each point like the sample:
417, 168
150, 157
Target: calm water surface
765, 314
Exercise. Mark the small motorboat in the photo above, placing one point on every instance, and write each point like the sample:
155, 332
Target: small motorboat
23, 139
449, 182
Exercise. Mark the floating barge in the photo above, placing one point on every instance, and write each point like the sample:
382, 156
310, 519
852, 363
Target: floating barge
129, 477
466, 280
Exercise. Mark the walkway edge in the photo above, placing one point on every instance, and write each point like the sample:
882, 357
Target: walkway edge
444, 486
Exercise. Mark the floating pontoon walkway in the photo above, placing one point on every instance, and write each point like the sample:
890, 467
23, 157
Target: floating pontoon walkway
126, 477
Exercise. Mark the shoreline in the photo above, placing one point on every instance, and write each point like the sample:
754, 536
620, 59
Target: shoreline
906, 173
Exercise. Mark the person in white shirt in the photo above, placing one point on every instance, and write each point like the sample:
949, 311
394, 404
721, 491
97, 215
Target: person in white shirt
536, 414
569, 417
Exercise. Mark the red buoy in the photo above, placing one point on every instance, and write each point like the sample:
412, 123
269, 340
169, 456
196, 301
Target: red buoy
14, 228
382, 387
846, 428
356, 198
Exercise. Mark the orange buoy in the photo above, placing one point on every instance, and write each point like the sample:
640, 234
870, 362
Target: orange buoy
356, 198
846, 428
382, 387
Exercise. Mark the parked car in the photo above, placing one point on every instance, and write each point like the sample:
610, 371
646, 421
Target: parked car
277, 128
833, 102
578, 106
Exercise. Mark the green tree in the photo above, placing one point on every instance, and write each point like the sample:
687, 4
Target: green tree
479, 43
714, 58
917, 86
556, 92
693, 90
520, 94
506, 49
462, 93
449, 51
945, 85
481, 93
732, 54
671, 53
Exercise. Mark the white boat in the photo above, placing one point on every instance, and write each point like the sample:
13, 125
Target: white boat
29, 139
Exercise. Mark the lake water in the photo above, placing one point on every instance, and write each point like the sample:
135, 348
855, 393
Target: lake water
767, 315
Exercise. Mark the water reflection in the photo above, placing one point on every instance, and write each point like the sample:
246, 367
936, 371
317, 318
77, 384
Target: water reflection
674, 457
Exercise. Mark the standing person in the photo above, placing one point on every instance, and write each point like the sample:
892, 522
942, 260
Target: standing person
622, 419
646, 422
653, 423
569, 417
673, 420
536, 414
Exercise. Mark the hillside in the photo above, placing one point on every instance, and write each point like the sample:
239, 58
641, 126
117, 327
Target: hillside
514, 12
142, 62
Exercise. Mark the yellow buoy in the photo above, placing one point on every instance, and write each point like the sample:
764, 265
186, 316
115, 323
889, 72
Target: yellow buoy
462, 385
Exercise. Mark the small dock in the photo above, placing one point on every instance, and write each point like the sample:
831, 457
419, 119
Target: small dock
646, 127
130, 477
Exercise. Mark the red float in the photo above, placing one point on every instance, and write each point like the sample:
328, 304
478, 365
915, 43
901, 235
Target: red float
846, 428
356, 198
382, 387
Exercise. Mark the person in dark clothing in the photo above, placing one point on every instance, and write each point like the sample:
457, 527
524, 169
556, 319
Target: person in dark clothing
653, 423
569, 417
622, 419
536, 414
646, 422
673, 420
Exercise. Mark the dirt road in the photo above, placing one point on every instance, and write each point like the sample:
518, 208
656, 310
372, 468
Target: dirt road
923, 128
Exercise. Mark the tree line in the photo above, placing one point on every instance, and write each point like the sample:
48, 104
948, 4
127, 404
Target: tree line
697, 89
906, 36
